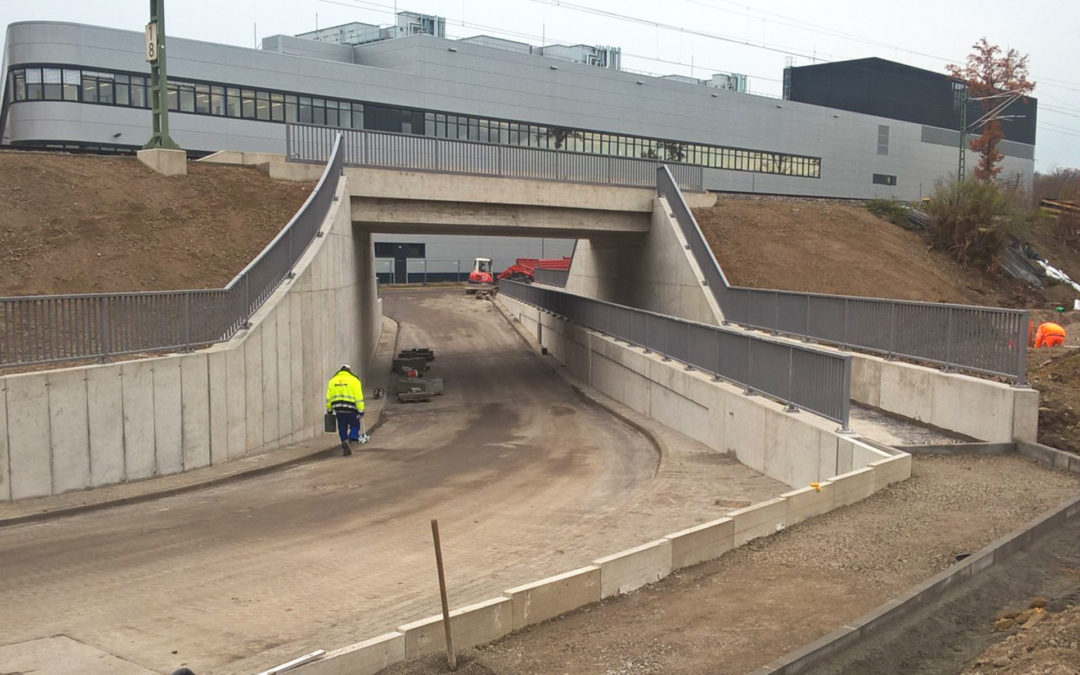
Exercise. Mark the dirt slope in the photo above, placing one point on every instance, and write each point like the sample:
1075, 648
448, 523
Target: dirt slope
83, 224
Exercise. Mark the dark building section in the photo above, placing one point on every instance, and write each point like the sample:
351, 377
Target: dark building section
878, 87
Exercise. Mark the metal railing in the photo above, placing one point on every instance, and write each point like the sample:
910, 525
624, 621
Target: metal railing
385, 150
55, 328
984, 340
797, 375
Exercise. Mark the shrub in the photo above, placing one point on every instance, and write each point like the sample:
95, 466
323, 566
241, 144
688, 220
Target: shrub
972, 220
892, 210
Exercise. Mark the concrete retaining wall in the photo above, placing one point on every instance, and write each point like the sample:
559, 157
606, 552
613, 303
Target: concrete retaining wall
84, 427
794, 448
975, 407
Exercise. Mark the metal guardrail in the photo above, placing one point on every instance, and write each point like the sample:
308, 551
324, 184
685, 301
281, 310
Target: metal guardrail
551, 277
796, 375
55, 328
984, 340
385, 150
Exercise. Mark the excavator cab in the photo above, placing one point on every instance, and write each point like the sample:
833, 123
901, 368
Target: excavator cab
481, 272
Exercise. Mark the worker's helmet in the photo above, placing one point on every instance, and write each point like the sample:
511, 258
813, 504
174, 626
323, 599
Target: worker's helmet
345, 366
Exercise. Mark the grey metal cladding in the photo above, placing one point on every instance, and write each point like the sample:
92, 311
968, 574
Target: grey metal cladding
951, 138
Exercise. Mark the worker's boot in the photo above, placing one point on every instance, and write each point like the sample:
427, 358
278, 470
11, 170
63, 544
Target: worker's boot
345, 451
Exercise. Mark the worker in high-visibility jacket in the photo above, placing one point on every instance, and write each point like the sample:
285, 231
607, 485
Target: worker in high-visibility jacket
1049, 334
345, 397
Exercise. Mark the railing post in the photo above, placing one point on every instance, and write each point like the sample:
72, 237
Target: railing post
791, 407
1021, 351
948, 339
892, 331
843, 329
187, 320
806, 320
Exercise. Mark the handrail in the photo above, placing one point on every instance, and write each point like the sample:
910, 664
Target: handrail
798, 375
56, 328
387, 150
985, 340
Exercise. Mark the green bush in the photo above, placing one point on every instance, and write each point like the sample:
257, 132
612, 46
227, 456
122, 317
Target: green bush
973, 220
892, 210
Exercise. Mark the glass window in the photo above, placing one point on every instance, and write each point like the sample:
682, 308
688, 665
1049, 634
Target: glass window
217, 100
429, 124
122, 84
173, 97
51, 78
277, 107
138, 92
331, 114
357, 116
262, 105
106, 92
290, 108
232, 102
202, 99
187, 97
72, 84
318, 111
19, 88
34, 90
306, 115
247, 104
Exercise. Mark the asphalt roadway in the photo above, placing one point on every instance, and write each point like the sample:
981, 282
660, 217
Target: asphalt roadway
527, 478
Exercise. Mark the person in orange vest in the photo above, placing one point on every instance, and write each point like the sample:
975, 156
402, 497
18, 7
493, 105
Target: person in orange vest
1049, 334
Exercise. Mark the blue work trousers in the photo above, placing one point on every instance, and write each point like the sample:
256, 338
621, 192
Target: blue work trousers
348, 424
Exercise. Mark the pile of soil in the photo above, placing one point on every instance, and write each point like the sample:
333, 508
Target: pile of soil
85, 224
1047, 642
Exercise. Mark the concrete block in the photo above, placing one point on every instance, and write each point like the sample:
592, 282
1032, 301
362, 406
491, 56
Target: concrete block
845, 452
907, 390
759, 520
218, 401
548, 598
808, 502
195, 406
827, 455
168, 420
69, 430
314, 391
863, 454
853, 486
166, 162
744, 431
972, 406
1025, 415
296, 385
472, 625
105, 410
891, 470
137, 379
28, 424
363, 658
791, 448
866, 379
702, 542
270, 418
633, 568
236, 401
5, 475
284, 368
253, 391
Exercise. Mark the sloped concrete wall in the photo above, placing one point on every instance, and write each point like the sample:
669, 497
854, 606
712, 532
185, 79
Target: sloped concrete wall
84, 427
654, 271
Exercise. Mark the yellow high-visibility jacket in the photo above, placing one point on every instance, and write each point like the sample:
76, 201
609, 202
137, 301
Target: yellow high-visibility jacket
344, 392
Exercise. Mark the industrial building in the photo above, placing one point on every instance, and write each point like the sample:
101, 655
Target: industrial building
85, 87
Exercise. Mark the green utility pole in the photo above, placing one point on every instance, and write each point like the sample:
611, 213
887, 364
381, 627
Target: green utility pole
159, 90
963, 134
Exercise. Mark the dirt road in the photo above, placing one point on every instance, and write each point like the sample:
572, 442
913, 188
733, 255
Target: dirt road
526, 479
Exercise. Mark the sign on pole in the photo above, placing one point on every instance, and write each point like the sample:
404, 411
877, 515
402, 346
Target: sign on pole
152, 42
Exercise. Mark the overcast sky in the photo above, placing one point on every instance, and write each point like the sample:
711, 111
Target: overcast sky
698, 37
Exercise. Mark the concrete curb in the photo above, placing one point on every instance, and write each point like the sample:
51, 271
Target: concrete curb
197, 482
995, 553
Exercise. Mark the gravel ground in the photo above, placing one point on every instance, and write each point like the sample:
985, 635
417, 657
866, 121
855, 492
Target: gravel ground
760, 601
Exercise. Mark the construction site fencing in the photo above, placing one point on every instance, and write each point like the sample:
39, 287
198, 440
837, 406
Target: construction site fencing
985, 340
800, 376
56, 328
385, 150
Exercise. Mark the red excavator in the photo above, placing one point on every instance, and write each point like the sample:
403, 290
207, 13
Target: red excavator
482, 278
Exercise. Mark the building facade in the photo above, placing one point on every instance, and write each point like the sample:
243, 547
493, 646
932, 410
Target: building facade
85, 87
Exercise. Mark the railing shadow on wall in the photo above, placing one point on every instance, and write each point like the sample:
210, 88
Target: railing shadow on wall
985, 340
385, 150
57, 328
800, 376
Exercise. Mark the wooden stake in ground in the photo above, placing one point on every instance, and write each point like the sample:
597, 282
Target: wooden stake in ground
451, 657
